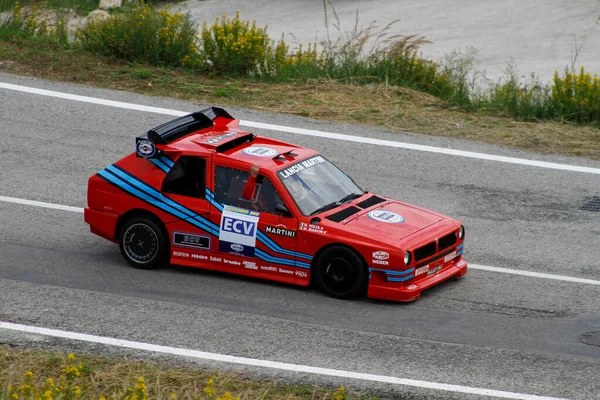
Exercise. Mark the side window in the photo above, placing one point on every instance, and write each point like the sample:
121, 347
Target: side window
229, 187
187, 177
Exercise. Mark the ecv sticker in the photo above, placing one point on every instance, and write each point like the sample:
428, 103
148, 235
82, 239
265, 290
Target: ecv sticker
386, 216
238, 231
145, 148
260, 151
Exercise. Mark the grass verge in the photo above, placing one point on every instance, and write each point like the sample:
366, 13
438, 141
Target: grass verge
378, 105
25, 374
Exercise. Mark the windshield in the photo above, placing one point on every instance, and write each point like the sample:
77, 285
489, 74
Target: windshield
316, 184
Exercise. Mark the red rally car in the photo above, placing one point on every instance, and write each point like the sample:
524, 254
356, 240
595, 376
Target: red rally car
182, 198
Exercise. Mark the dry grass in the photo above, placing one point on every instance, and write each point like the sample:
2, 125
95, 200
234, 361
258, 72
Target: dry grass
376, 105
107, 376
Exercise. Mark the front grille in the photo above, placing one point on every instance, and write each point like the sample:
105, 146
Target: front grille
432, 248
447, 241
425, 251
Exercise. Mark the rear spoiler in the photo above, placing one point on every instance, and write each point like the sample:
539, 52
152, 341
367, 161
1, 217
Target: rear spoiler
145, 146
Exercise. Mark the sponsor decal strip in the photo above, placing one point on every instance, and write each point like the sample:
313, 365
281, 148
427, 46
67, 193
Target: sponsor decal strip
150, 195
277, 365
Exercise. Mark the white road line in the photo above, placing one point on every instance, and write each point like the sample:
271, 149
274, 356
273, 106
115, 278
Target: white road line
40, 204
473, 266
535, 274
310, 132
253, 362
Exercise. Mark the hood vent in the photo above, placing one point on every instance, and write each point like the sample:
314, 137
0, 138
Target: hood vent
342, 215
370, 202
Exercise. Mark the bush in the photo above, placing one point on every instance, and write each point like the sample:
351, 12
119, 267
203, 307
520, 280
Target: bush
27, 23
143, 34
233, 46
577, 97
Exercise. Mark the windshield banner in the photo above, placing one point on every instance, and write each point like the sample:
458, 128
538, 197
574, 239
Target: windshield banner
238, 231
301, 166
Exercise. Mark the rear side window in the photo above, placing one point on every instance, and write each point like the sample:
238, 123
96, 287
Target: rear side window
187, 177
229, 186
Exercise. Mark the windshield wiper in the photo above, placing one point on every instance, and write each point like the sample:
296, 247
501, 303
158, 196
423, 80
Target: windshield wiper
349, 197
336, 203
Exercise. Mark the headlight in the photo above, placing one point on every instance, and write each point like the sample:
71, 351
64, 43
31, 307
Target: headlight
461, 232
407, 258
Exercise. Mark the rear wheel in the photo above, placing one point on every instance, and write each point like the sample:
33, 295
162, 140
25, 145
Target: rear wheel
142, 243
341, 273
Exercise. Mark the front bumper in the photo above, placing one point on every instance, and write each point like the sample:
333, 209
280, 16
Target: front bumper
380, 288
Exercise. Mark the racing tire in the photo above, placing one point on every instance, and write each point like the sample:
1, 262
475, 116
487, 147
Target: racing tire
341, 273
142, 243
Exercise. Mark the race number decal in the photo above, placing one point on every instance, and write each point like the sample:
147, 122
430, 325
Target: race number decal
238, 231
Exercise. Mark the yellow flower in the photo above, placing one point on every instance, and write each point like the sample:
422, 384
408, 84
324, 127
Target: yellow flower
28, 374
71, 356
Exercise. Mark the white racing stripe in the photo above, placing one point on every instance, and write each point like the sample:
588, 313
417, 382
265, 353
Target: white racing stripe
473, 266
253, 362
310, 132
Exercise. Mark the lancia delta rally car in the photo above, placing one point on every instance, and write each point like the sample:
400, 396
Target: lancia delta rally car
200, 192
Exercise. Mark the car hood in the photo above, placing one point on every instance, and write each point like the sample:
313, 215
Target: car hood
393, 220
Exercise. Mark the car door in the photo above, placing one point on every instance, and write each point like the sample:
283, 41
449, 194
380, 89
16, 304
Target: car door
184, 190
252, 233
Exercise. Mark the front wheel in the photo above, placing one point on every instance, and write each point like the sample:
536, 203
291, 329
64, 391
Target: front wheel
341, 273
142, 243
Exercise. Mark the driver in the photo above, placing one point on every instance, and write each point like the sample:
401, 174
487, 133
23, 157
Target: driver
249, 191
260, 200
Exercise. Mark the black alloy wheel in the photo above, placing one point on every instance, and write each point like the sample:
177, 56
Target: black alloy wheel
341, 273
142, 243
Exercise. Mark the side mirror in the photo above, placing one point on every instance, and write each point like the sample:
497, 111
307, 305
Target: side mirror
282, 210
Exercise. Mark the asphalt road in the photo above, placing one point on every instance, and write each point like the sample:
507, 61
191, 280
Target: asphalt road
489, 330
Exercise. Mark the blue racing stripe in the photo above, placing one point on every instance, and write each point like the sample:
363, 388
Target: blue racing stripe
167, 161
214, 203
152, 196
159, 164
130, 189
459, 253
460, 246
267, 241
400, 279
264, 256
392, 272
160, 201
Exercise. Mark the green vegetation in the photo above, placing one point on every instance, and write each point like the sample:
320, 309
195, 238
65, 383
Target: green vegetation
41, 375
234, 47
234, 62
142, 34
